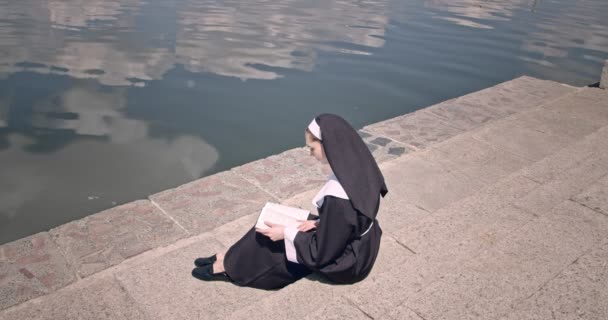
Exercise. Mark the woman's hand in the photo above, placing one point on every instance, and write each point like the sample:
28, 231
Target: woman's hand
275, 232
308, 225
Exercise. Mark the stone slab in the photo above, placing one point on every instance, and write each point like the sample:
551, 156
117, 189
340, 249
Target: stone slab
402, 312
383, 293
384, 149
337, 309
590, 152
233, 231
590, 104
478, 108
461, 231
521, 139
286, 174
564, 185
207, 203
308, 295
466, 113
395, 215
545, 90
426, 184
419, 129
555, 123
438, 254
165, 289
31, 267
303, 201
579, 292
593, 95
99, 299
518, 266
595, 197
475, 159
105, 239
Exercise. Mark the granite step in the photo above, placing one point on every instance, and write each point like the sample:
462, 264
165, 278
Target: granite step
468, 243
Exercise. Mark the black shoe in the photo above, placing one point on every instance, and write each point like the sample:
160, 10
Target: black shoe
201, 262
205, 273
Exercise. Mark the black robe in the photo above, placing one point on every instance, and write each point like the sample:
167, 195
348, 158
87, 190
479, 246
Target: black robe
335, 249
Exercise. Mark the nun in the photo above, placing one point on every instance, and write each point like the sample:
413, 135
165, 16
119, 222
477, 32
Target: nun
342, 243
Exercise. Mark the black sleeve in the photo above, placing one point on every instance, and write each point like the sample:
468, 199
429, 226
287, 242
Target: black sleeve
334, 231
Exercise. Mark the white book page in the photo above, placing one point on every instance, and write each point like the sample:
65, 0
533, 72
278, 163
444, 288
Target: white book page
280, 214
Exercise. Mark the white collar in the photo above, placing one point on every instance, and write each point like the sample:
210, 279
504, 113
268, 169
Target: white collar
331, 188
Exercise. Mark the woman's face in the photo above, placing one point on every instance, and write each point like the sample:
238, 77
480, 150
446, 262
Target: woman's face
316, 147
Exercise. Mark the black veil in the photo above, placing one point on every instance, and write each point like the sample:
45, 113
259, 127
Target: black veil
352, 163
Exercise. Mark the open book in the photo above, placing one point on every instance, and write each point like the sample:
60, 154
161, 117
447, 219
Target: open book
280, 214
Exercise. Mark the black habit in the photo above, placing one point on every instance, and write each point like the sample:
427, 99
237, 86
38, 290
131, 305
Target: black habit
345, 244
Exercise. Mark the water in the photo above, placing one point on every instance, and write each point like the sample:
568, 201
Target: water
106, 101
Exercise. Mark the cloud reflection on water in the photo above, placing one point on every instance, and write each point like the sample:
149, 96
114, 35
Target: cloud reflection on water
112, 155
99, 39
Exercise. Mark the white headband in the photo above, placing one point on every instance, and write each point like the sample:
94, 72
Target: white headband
315, 129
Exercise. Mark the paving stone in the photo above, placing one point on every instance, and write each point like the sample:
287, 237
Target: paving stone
478, 108
105, 239
306, 296
483, 220
384, 149
565, 185
165, 289
285, 174
517, 138
556, 123
233, 231
518, 266
579, 292
304, 201
98, 299
425, 184
381, 294
593, 95
402, 312
419, 129
471, 111
396, 213
396, 151
590, 152
31, 267
380, 141
461, 231
590, 104
207, 203
335, 310
476, 159
595, 197
545, 90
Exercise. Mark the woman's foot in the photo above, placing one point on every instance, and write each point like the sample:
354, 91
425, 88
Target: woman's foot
206, 273
201, 262
219, 257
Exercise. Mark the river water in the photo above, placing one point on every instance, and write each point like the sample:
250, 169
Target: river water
106, 101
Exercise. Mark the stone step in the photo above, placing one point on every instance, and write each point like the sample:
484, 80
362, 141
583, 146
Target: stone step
460, 232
